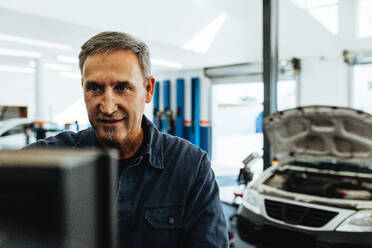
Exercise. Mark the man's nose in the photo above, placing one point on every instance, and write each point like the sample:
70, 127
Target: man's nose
108, 104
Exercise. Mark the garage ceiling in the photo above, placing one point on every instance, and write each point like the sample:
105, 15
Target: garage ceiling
167, 25
232, 29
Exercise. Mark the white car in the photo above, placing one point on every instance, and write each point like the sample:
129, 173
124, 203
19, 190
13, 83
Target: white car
18, 132
13, 133
320, 192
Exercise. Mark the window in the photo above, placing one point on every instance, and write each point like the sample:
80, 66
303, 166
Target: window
236, 112
286, 94
362, 88
364, 21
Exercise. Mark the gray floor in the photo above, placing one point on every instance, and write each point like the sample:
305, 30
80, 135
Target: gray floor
228, 211
226, 181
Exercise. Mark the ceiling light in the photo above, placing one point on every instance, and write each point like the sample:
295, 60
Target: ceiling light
19, 53
32, 63
67, 59
70, 74
58, 67
51, 66
16, 69
166, 63
202, 41
34, 42
199, 2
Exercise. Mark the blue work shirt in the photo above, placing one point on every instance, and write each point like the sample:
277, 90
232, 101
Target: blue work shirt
167, 195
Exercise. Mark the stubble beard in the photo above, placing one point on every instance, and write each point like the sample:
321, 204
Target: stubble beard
109, 140
110, 132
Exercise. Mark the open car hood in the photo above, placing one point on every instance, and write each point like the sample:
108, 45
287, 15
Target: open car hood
321, 133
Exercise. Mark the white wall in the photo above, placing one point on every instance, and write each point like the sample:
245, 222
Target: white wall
19, 89
61, 92
324, 75
324, 82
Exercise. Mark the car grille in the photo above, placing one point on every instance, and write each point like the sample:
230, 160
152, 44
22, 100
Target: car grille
298, 215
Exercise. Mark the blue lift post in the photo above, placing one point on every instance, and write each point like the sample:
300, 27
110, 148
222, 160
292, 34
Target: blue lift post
196, 110
205, 135
156, 106
187, 131
180, 84
205, 118
167, 116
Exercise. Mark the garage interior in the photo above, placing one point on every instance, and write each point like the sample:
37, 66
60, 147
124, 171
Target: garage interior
221, 69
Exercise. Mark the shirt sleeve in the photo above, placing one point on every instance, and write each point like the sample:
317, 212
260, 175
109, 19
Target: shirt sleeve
204, 221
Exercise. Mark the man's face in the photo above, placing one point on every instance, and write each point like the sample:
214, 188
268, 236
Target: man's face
115, 92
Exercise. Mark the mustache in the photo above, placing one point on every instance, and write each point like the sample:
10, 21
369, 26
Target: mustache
116, 116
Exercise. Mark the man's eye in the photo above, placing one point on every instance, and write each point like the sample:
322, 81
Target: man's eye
122, 87
93, 88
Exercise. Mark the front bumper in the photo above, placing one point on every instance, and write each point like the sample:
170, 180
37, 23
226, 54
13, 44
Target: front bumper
256, 229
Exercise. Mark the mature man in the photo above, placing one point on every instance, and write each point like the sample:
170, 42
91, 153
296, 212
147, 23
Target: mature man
167, 193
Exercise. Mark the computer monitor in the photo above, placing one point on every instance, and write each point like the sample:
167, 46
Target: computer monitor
57, 198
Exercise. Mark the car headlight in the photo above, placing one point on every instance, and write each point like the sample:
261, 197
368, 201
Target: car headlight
361, 221
251, 200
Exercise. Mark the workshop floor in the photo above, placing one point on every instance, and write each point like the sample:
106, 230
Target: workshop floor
238, 243
227, 185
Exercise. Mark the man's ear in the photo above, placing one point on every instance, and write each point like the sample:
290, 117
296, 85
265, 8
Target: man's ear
150, 88
82, 83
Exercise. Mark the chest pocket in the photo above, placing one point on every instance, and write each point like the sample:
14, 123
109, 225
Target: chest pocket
163, 225
165, 217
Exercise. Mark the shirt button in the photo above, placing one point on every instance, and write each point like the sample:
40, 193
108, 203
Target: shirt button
170, 220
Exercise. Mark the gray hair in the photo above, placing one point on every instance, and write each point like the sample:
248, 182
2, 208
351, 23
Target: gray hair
106, 42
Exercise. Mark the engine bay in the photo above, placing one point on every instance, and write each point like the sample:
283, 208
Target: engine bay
324, 180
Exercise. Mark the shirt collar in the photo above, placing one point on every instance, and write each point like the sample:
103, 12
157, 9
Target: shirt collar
152, 138
154, 143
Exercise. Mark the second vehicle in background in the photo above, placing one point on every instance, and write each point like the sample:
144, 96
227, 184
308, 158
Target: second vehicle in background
18, 132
